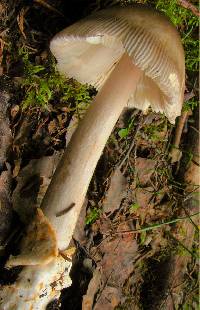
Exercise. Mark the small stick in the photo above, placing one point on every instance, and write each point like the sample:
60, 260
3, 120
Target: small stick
179, 129
132, 143
48, 6
187, 5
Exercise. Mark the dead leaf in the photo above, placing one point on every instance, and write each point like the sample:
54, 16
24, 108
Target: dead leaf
23, 133
93, 287
32, 183
143, 196
119, 254
104, 225
116, 192
144, 169
116, 266
109, 299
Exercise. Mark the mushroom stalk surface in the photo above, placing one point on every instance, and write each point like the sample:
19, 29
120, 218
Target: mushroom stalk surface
74, 172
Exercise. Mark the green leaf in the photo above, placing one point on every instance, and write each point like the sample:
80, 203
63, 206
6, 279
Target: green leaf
123, 132
92, 216
143, 237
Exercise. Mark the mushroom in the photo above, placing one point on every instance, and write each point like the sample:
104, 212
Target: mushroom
134, 57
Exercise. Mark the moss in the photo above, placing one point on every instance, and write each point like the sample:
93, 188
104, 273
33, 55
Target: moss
43, 86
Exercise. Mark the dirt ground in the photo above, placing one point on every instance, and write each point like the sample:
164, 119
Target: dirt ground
137, 235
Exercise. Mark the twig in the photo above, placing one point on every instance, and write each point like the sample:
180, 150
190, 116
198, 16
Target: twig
48, 6
132, 143
20, 20
196, 130
179, 128
187, 5
175, 153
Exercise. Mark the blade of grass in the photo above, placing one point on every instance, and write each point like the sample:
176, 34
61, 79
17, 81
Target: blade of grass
154, 226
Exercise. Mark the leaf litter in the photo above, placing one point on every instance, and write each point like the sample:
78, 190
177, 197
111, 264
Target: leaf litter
115, 192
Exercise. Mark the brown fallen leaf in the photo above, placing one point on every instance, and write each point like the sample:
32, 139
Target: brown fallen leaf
23, 132
93, 287
143, 196
109, 299
117, 263
144, 169
32, 183
115, 193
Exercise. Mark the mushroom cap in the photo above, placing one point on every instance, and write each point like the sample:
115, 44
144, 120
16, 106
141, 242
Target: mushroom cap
89, 50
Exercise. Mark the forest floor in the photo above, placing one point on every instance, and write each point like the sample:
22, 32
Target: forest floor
137, 236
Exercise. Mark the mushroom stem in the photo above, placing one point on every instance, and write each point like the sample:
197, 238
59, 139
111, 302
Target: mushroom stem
74, 172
